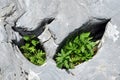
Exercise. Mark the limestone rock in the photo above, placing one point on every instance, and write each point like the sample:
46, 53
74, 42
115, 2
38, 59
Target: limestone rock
57, 19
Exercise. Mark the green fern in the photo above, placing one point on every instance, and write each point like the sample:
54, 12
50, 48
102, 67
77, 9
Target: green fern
31, 51
76, 51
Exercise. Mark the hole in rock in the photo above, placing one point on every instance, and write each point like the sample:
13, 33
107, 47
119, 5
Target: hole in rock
37, 31
32, 49
29, 45
81, 44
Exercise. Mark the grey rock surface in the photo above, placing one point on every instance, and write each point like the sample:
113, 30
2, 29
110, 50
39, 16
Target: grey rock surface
69, 15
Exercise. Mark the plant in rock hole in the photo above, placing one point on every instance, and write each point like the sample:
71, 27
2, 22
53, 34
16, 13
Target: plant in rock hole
76, 51
32, 50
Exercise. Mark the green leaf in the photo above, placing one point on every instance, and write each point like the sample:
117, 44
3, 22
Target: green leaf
60, 65
34, 42
27, 55
76, 40
83, 49
22, 47
83, 36
59, 59
89, 47
92, 44
32, 49
32, 59
26, 38
70, 44
86, 35
66, 64
27, 45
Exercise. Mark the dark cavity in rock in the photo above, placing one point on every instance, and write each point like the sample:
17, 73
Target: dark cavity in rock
95, 26
36, 32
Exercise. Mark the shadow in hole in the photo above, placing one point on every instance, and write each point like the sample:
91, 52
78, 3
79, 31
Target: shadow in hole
36, 32
95, 26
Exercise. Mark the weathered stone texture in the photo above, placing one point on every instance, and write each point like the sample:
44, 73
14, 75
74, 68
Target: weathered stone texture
69, 15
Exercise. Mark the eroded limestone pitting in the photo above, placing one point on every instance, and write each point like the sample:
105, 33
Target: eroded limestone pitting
69, 15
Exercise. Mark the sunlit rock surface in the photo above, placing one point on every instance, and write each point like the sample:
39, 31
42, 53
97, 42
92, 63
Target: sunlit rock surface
68, 15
